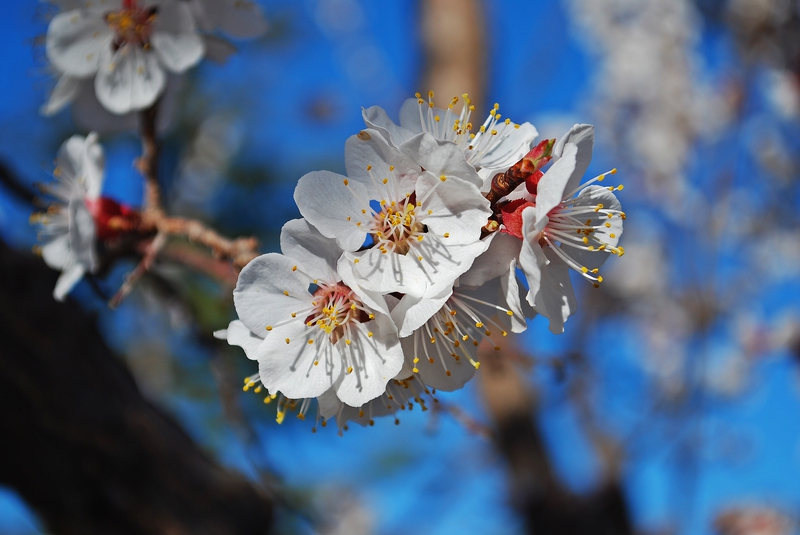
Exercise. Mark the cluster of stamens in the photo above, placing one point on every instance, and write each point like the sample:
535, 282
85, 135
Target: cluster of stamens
132, 24
456, 127
568, 228
445, 335
335, 311
395, 226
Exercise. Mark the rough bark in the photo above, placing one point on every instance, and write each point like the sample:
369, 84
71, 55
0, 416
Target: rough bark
82, 446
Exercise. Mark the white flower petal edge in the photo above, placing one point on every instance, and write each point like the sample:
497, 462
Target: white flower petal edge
238, 335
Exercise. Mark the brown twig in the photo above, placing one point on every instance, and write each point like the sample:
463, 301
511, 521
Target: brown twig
240, 250
150, 253
198, 260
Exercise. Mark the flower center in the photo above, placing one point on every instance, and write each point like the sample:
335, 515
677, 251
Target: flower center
132, 24
395, 225
336, 309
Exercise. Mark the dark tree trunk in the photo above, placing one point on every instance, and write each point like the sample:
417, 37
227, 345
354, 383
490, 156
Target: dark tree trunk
79, 442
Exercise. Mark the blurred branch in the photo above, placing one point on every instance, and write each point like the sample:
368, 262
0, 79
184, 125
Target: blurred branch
454, 42
545, 504
89, 453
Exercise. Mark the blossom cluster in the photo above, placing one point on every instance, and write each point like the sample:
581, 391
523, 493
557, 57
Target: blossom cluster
396, 273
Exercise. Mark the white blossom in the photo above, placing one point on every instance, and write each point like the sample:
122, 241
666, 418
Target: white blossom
68, 228
569, 226
317, 331
496, 145
403, 229
125, 46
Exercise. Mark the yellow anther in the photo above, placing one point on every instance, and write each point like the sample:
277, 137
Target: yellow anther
509, 313
349, 369
285, 292
613, 171
600, 279
436, 118
479, 325
294, 268
310, 342
385, 180
369, 334
369, 167
347, 342
442, 178
612, 235
269, 327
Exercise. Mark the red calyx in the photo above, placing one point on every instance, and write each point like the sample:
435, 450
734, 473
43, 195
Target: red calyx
112, 218
512, 216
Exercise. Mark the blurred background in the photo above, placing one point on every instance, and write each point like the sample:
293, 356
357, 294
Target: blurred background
671, 404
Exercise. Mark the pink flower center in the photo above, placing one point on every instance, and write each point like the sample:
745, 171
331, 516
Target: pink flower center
336, 309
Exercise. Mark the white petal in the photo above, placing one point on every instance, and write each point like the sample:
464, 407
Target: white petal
289, 367
316, 254
93, 166
56, 253
553, 184
550, 290
259, 296
326, 202
441, 158
582, 136
81, 234
502, 252
376, 119
63, 93
412, 312
174, 37
67, 281
239, 335
75, 40
130, 79
370, 149
329, 404
456, 207
379, 358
